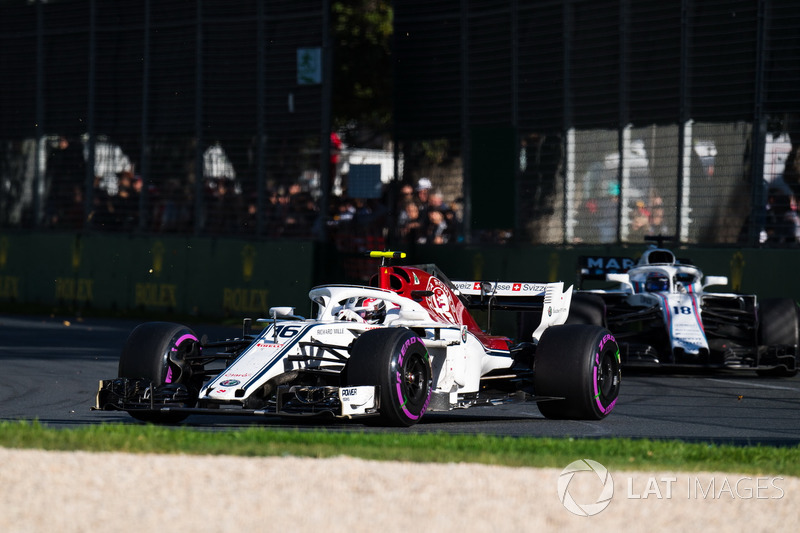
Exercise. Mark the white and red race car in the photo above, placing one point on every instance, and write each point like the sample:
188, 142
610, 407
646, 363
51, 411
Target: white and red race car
403, 346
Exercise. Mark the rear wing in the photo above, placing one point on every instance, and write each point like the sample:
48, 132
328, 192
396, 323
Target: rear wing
548, 298
497, 288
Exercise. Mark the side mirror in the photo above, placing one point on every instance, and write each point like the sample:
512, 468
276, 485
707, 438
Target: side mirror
281, 312
714, 280
624, 281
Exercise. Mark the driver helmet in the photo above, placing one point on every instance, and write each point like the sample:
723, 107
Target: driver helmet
656, 282
369, 310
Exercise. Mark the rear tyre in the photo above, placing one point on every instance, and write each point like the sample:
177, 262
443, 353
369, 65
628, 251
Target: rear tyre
157, 351
778, 325
396, 361
580, 365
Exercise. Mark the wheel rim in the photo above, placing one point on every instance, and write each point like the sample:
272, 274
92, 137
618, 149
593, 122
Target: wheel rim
414, 380
412, 386
178, 352
607, 379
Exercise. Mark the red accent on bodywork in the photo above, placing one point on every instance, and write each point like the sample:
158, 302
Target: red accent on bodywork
384, 279
444, 306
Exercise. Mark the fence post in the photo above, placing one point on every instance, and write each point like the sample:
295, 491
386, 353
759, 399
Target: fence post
568, 168
466, 145
624, 127
199, 211
261, 85
684, 179
758, 134
91, 138
325, 123
684, 128
144, 164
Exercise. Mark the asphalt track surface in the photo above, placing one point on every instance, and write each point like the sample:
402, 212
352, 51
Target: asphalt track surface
51, 367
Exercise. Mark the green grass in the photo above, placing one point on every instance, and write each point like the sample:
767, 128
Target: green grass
617, 454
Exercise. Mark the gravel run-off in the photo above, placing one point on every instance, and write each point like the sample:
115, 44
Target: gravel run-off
88, 492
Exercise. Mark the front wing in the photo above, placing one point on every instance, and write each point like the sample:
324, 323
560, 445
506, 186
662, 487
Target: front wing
127, 394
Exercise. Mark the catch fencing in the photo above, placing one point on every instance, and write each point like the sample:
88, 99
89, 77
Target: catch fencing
163, 116
555, 121
624, 118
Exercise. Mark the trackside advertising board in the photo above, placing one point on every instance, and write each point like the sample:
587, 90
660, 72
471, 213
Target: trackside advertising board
235, 278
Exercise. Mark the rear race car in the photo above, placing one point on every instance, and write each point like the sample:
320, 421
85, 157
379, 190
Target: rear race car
405, 345
662, 316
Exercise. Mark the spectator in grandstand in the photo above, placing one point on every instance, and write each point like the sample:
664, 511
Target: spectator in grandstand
406, 193
300, 212
658, 225
70, 214
436, 201
453, 220
125, 205
218, 167
601, 198
109, 163
102, 215
370, 214
423, 196
224, 208
222, 191
409, 223
173, 207
781, 224
336, 150
272, 213
65, 172
436, 228
249, 219
345, 211
640, 221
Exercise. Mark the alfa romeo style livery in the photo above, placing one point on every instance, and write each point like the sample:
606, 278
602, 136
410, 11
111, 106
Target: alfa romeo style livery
403, 346
662, 315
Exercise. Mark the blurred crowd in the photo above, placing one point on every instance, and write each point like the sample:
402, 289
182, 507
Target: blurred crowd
400, 214
420, 215
119, 199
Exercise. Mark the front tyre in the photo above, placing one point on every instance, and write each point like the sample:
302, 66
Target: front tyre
579, 365
396, 361
157, 351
